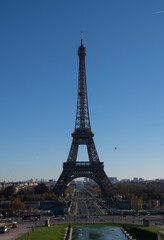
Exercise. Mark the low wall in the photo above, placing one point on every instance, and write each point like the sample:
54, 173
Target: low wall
161, 235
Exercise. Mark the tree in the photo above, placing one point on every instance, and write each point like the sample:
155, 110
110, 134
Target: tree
14, 206
40, 188
9, 191
17, 204
136, 203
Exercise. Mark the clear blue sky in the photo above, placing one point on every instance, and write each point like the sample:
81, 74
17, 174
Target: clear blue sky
38, 85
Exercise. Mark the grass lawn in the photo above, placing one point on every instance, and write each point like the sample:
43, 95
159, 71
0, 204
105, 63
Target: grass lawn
151, 229
45, 233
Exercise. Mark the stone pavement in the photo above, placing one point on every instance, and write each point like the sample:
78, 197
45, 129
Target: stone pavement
15, 232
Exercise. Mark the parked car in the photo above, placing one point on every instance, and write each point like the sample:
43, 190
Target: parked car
33, 219
3, 229
103, 220
60, 219
9, 220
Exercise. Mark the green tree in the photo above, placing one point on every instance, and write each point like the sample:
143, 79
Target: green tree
136, 203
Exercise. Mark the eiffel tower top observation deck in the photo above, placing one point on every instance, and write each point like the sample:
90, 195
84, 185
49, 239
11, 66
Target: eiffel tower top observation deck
82, 124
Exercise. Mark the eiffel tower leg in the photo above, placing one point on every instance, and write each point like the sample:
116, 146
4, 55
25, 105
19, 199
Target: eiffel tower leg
65, 176
62, 182
103, 182
99, 174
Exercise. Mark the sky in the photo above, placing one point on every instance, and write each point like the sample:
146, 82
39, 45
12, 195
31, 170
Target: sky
39, 40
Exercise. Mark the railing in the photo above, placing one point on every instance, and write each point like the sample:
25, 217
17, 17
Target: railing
83, 163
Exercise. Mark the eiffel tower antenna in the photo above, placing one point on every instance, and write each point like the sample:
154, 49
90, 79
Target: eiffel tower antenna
81, 38
83, 135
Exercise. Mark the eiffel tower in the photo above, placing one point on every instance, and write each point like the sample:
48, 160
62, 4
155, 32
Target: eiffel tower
82, 135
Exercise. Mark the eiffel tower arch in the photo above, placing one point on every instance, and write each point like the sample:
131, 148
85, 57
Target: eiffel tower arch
83, 135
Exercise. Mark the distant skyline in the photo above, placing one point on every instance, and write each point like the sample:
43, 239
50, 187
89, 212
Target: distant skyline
39, 80
112, 179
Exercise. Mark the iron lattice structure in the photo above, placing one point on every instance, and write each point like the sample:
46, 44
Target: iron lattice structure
83, 135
